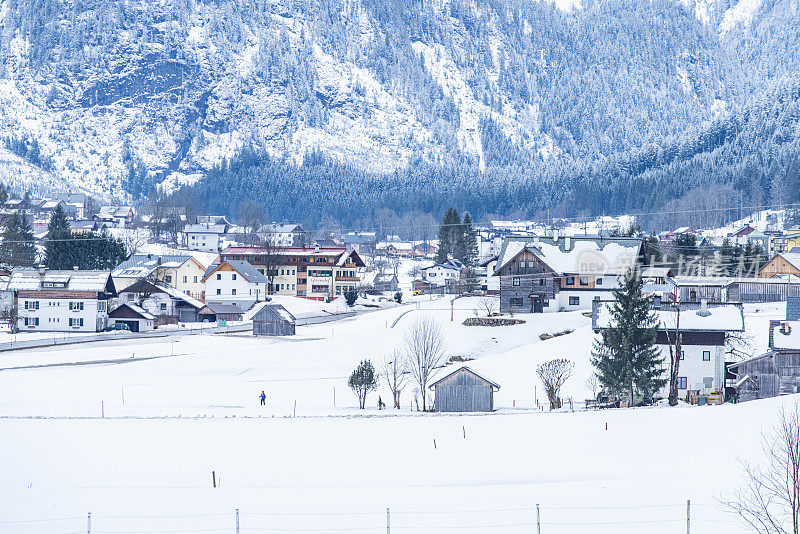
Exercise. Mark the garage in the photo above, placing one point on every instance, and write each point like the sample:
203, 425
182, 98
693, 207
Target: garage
136, 318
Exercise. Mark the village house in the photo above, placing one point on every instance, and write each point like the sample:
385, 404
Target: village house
235, 282
781, 264
361, 242
443, 274
783, 241
216, 311
169, 305
183, 272
205, 237
317, 273
703, 330
117, 216
282, 234
547, 274
61, 301
401, 249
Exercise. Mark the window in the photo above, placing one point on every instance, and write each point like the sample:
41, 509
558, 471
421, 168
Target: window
706, 355
195, 279
163, 306
131, 297
584, 280
233, 291
185, 279
233, 276
570, 280
31, 321
77, 306
516, 301
292, 287
598, 282
683, 355
219, 276
102, 306
516, 281
76, 321
682, 382
31, 304
574, 301
541, 281
219, 291
168, 279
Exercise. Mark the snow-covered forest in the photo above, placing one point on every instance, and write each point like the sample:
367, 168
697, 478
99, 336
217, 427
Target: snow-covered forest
498, 106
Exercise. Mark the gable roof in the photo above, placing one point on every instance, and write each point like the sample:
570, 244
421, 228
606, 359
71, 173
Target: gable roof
33, 280
141, 265
204, 228
145, 286
719, 318
468, 370
449, 264
220, 308
570, 254
141, 312
244, 268
273, 310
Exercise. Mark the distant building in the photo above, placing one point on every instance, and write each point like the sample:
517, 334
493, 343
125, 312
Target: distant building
464, 390
136, 318
361, 242
442, 274
116, 216
215, 311
703, 331
273, 320
61, 301
169, 305
235, 282
784, 263
283, 235
545, 274
183, 272
205, 237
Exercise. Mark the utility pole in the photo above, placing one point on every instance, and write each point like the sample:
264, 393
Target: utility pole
388, 523
89, 524
538, 521
237, 521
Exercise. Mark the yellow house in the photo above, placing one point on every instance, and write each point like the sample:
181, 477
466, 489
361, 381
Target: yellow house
784, 243
182, 272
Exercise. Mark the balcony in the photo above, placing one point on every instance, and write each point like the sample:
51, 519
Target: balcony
347, 279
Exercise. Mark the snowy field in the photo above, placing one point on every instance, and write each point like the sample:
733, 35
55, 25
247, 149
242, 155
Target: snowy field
310, 461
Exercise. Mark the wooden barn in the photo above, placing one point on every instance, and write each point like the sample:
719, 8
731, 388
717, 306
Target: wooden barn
217, 311
464, 390
773, 373
273, 320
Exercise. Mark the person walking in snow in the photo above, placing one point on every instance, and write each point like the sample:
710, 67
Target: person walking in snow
263, 398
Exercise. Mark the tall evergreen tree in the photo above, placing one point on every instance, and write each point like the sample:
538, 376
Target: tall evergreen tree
59, 251
17, 248
448, 235
469, 240
626, 356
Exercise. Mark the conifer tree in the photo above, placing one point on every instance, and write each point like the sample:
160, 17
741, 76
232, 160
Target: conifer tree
626, 356
469, 239
17, 248
448, 235
58, 245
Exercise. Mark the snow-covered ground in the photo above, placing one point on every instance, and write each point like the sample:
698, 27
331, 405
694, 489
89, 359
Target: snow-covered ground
172, 420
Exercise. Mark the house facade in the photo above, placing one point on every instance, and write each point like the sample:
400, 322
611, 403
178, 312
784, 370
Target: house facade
703, 331
317, 273
166, 303
205, 237
235, 282
61, 301
781, 264
463, 390
283, 235
549, 274
443, 274
182, 272
774, 373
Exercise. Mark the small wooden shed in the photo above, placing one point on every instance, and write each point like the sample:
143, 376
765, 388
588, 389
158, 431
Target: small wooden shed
216, 311
464, 390
136, 318
273, 320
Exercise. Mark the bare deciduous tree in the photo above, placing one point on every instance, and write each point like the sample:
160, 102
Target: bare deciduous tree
424, 348
489, 305
769, 500
592, 383
554, 374
674, 338
393, 370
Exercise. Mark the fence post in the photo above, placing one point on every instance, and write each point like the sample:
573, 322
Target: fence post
388, 523
538, 521
688, 515
89, 524
237, 521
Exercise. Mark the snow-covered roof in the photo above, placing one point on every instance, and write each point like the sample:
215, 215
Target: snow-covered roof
273, 309
221, 308
282, 228
140, 265
244, 268
792, 258
723, 318
785, 334
468, 370
138, 309
575, 255
204, 228
32, 280
657, 272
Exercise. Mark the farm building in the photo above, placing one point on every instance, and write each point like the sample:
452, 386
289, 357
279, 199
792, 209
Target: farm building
273, 320
136, 318
215, 311
773, 373
463, 390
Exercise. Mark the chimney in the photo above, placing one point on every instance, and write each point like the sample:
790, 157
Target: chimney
74, 267
567, 242
42, 269
316, 247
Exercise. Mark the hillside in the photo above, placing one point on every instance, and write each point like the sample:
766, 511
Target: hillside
121, 96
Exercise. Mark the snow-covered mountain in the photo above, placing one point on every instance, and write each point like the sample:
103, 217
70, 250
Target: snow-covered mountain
121, 95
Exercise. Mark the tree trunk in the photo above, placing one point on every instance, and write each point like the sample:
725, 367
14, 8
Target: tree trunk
396, 399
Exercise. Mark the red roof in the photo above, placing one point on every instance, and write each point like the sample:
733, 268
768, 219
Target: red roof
283, 250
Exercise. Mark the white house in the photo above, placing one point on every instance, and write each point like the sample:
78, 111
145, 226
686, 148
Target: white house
205, 237
119, 216
439, 274
166, 303
61, 301
235, 282
283, 235
703, 330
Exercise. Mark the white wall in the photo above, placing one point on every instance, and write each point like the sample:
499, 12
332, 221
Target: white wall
54, 315
204, 242
695, 369
230, 287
